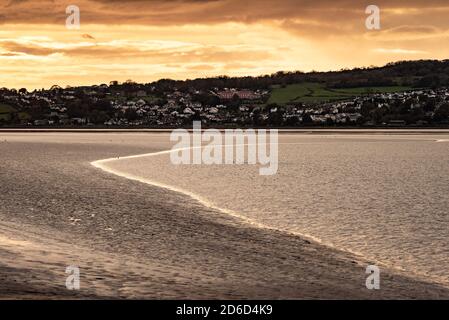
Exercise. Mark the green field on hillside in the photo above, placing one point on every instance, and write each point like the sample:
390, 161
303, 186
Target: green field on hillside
317, 93
6, 108
5, 111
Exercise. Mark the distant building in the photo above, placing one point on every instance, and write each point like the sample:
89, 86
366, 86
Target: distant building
41, 122
241, 94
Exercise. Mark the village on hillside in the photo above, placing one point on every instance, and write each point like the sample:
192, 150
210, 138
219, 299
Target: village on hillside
133, 105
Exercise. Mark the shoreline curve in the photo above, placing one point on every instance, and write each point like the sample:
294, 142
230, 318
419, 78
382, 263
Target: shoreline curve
360, 258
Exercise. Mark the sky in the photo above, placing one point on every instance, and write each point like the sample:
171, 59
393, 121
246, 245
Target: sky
146, 40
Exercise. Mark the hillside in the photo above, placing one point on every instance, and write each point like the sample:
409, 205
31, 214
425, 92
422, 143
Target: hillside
417, 74
309, 92
404, 93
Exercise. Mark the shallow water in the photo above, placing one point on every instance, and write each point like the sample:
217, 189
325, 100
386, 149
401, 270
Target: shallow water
383, 196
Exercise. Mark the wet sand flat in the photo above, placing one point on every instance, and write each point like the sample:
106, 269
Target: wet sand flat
133, 240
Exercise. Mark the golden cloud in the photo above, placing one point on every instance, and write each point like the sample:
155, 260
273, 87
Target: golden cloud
149, 39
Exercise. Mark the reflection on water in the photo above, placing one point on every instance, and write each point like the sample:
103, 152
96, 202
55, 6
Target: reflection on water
385, 197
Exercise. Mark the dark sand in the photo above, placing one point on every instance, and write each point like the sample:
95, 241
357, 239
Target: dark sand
133, 240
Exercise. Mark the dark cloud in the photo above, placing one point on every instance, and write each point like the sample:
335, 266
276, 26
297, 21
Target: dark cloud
420, 29
87, 36
163, 12
15, 48
201, 57
407, 33
300, 17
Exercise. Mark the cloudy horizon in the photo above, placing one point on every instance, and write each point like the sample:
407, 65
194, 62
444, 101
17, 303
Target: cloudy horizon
183, 39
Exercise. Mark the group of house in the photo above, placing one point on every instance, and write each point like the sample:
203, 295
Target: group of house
174, 108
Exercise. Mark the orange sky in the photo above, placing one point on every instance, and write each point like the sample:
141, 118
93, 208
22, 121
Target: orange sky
145, 40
